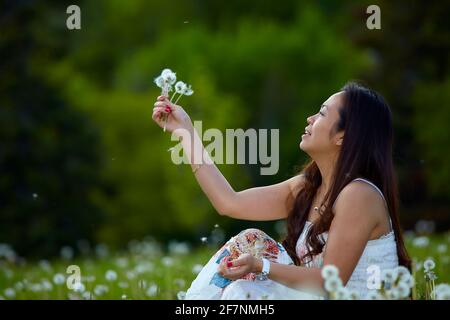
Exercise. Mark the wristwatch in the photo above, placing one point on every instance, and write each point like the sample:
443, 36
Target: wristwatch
265, 270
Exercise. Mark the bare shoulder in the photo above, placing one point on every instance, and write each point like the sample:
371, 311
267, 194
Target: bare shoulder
296, 183
360, 198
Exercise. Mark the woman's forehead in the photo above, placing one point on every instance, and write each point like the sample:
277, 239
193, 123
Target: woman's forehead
334, 101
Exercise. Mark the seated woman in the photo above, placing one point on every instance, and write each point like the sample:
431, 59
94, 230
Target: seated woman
341, 208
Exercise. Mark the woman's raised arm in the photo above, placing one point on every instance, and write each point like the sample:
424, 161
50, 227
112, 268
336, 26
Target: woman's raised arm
271, 202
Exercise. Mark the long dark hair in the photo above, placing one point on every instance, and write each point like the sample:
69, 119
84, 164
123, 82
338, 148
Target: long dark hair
366, 152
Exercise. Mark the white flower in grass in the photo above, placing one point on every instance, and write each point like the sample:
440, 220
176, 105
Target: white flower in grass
87, 295
19, 286
35, 287
67, 253
332, 284
130, 275
10, 293
180, 282
124, 297
197, 268
403, 290
59, 279
353, 295
46, 285
167, 261
442, 291
45, 265
111, 275
100, 289
389, 275
122, 262
442, 248
402, 272
123, 285
393, 294
181, 295
178, 247
101, 250
79, 287
341, 294
421, 242
329, 271
152, 290
429, 265
373, 295
408, 280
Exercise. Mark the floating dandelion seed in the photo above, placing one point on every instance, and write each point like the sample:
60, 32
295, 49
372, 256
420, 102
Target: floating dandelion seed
203, 239
216, 225
35, 196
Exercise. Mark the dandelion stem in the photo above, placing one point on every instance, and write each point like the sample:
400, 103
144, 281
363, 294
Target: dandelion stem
178, 98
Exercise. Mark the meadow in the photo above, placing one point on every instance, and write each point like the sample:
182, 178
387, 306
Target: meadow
149, 270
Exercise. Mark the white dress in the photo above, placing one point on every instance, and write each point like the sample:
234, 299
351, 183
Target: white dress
381, 252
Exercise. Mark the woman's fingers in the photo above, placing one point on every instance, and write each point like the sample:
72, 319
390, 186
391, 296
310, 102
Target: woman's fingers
166, 106
162, 98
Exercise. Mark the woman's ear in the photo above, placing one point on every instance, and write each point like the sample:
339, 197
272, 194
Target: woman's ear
340, 139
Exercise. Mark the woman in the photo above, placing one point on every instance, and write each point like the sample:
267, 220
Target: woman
341, 209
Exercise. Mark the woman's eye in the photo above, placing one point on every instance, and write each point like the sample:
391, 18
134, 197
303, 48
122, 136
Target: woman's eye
320, 112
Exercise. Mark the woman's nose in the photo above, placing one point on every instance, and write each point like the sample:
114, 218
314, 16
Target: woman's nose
309, 119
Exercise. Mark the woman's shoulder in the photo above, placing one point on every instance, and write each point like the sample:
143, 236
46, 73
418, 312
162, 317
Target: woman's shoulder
362, 195
296, 183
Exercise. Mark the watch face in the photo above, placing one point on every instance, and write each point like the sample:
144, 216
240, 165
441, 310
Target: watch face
261, 277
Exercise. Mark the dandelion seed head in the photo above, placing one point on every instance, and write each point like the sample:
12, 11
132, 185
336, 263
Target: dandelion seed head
59, 279
197, 268
9, 293
152, 290
167, 261
181, 295
329, 271
342, 294
111, 275
429, 265
332, 284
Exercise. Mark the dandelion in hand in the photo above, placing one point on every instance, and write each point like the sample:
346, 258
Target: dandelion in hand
166, 81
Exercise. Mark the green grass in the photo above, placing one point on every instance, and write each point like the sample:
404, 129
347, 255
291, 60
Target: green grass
147, 272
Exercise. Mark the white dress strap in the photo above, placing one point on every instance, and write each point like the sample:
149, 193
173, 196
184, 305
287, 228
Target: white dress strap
372, 184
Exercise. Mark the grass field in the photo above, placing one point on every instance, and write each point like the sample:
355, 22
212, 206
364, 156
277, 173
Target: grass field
147, 270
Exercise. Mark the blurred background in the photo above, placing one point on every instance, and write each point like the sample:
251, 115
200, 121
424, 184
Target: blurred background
82, 163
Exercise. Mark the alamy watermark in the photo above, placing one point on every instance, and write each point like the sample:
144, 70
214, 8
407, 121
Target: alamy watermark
222, 147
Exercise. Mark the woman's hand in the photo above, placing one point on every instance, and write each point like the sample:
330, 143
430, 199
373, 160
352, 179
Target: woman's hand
177, 118
236, 269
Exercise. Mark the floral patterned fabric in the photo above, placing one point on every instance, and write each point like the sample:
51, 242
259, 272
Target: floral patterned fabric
209, 284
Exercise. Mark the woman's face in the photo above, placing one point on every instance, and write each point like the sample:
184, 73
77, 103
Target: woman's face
320, 138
